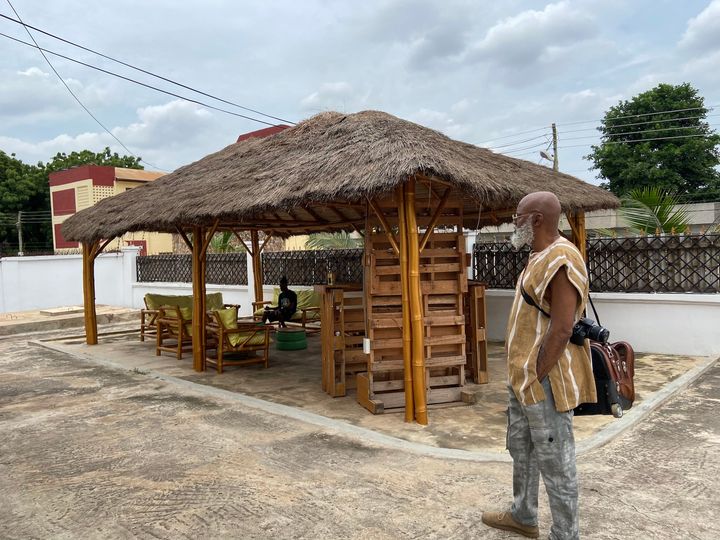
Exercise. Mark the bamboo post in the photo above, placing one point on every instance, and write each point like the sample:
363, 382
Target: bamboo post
257, 265
406, 330
416, 315
579, 233
88, 249
198, 277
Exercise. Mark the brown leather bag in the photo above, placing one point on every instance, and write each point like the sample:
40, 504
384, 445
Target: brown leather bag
613, 369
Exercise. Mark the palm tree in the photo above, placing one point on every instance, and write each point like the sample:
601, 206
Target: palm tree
220, 243
341, 240
650, 210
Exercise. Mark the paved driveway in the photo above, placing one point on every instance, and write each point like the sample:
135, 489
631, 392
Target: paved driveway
91, 452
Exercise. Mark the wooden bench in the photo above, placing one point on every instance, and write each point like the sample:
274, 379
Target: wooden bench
308, 309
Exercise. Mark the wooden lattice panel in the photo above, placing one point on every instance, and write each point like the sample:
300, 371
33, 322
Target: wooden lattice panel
443, 282
343, 329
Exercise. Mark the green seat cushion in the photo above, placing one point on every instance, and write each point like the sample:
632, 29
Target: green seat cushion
213, 301
228, 317
186, 312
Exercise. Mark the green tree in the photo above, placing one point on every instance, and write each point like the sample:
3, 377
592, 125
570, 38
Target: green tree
26, 188
644, 146
341, 240
651, 209
19, 190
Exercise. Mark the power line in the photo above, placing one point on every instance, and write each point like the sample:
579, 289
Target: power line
710, 108
513, 135
643, 123
639, 140
519, 133
146, 71
138, 82
539, 145
616, 135
517, 142
68, 88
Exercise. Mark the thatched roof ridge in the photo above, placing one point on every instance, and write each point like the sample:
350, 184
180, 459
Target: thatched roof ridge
328, 158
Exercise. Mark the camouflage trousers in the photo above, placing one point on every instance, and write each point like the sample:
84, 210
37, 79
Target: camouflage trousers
541, 441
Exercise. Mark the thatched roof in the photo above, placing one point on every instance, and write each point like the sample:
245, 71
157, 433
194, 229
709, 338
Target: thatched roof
318, 174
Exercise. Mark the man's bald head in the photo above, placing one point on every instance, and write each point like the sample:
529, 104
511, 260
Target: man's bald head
545, 203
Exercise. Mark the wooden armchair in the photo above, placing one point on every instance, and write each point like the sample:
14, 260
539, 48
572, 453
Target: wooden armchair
174, 324
235, 343
148, 322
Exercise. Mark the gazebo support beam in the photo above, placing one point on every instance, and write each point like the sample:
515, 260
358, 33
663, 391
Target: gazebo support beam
384, 223
406, 329
90, 251
416, 308
256, 255
434, 219
201, 241
579, 233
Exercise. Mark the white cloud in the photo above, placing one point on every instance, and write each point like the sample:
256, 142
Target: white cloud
167, 136
703, 31
331, 96
33, 72
442, 122
524, 39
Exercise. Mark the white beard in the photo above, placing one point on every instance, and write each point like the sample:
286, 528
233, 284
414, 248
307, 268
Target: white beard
522, 236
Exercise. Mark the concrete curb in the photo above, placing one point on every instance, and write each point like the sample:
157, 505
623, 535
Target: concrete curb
367, 436
64, 323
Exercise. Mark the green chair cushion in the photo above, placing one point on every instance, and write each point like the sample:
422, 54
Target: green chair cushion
186, 312
213, 301
307, 298
228, 317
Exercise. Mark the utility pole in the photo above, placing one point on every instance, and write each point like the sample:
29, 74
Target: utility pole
555, 147
19, 228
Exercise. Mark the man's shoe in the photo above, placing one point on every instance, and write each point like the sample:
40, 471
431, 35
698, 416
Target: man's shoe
505, 521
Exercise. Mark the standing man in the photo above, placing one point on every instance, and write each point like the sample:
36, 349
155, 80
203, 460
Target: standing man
548, 376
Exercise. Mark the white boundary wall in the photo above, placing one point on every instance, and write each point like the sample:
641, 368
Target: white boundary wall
660, 323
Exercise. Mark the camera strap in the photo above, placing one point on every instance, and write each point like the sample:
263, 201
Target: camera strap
529, 300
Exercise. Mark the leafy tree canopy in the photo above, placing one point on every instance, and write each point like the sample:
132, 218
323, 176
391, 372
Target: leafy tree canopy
25, 187
340, 240
661, 139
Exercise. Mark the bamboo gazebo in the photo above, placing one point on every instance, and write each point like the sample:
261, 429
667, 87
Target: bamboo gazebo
410, 190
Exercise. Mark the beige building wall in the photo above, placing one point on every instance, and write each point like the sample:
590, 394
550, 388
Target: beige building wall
86, 195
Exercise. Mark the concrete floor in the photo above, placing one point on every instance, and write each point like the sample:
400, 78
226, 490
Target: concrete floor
93, 452
293, 379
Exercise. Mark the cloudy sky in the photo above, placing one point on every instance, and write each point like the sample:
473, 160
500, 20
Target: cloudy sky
495, 74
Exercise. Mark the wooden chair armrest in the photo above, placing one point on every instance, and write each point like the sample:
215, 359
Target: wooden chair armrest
148, 314
255, 304
311, 308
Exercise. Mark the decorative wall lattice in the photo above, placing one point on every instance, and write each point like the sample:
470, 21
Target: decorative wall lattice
222, 268
672, 263
311, 267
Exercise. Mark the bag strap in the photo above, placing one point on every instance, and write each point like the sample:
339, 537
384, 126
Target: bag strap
529, 300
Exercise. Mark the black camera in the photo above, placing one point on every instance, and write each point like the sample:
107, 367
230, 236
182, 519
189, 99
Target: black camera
588, 329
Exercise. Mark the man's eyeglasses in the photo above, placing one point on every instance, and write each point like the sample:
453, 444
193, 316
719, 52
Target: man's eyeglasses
516, 216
